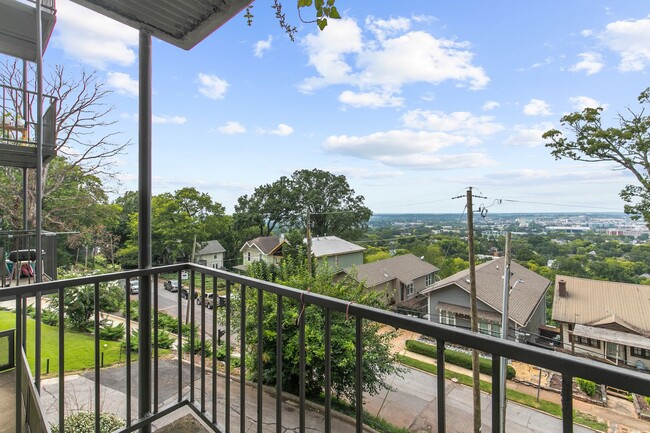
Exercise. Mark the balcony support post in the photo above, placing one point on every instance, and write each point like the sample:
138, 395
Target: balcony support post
144, 227
567, 403
440, 379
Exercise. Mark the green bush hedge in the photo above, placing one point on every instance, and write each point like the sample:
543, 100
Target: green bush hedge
84, 422
454, 357
587, 386
113, 333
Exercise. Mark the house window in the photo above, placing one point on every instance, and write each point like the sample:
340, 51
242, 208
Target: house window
409, 289
587, 341
641, 353
447, 318
488, 328
215, 256
260, 257
428, 280
249, 256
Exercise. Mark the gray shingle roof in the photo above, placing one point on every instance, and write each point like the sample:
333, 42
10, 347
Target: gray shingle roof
266, 244
524, 298
405, 268
212, 247
324, 246
595, 302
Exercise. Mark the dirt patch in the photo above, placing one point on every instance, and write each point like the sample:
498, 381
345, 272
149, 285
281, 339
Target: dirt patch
555, 383
643, 406
529, 373
186, 424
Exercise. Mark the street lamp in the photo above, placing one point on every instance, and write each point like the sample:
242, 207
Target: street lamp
504, 335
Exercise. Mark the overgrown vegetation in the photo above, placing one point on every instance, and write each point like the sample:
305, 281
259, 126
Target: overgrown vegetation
587, 386
84, 422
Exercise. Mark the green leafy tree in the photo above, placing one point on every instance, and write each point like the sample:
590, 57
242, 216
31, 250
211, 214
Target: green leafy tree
265, 208
585, 138
378, 362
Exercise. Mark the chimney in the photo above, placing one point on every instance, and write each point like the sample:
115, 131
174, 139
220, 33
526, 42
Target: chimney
562, 288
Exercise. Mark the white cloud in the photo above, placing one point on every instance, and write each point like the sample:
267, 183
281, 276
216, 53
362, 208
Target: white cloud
231, 128
490, 105
370, 99
528, 136
631, 40
590, 63
460, 122
122, 83
168, 120
261, 46
568, 174
537, 107
93, 38
408, 149
387, 58
581, 102
587, 32
364, 173
212, 86
282, 130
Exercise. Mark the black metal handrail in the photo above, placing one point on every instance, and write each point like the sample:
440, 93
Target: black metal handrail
568, 366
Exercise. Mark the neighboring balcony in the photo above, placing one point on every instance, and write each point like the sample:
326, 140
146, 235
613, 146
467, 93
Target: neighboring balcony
210, 388
18, 127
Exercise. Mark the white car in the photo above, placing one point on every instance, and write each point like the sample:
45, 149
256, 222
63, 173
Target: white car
134, 287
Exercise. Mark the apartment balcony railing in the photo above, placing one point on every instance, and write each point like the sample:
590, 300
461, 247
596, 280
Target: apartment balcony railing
18, 127
202, 395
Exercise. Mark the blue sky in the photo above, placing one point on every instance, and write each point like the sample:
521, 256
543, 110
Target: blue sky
413, 101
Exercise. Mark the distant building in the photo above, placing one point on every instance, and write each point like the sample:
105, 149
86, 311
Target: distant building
401, 278
336, 252
211, 255
604, 319
264, 248
449, 299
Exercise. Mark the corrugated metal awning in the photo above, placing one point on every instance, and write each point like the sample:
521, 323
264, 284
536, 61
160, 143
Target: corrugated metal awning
611, 336
183, 23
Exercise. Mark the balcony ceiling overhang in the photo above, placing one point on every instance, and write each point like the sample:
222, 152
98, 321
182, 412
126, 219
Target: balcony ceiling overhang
18, 28
183, 23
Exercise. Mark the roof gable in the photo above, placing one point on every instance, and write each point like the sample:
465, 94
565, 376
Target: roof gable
266, 244
405, 268
524, 298
325, 246
212, 247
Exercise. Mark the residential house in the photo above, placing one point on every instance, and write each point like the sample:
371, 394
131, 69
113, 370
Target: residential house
267, 249
604, 319
401, 278
336, 252
449, 299
211, 255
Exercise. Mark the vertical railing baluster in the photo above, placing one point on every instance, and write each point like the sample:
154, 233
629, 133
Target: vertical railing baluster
278, 366
242, 354
179, 335
155, 343
302, 365
496, 394
328, 371
215, 338
61, 360
37, 342
19, 362
97, 350
440, 382
192, 332
567, 403
260, 348
203, 308
358, 381
128, 352
227, 403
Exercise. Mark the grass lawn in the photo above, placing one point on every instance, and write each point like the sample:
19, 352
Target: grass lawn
79, 348
521, 398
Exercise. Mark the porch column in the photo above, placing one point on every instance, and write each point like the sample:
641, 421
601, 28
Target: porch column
144, 227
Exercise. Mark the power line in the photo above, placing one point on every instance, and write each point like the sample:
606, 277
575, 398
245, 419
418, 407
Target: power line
498, 200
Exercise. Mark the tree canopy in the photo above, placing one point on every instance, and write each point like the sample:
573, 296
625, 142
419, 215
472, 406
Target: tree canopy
331, 203
585, 138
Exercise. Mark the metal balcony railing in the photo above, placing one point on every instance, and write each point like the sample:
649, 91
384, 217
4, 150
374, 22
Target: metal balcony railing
201, 397
18, 119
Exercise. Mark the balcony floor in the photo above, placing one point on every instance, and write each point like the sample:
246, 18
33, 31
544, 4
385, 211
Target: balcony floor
8, 401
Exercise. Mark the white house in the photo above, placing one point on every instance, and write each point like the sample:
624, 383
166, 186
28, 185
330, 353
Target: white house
211, 255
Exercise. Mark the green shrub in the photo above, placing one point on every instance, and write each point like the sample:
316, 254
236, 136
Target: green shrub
587, 386
112, 333
455, 357
50, 317
647, 400
206, 350
84, 422
168, 322
165, 340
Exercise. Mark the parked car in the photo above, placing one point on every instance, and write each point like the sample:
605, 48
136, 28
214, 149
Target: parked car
185, 293
207, 301
134, 286
171, 285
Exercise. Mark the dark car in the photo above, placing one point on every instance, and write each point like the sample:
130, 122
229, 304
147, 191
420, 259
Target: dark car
171, 285
185, 293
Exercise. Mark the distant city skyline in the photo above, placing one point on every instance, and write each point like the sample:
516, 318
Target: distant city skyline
412, 101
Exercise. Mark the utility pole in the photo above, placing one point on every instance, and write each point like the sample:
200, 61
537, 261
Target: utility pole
473, 312
504, 331
309, 242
